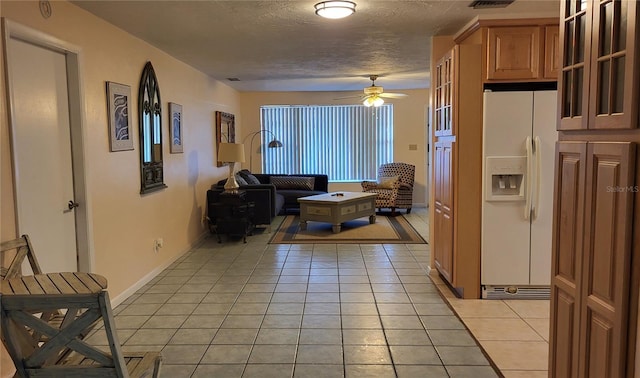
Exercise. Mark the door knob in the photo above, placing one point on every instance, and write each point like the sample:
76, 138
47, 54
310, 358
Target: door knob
72, 205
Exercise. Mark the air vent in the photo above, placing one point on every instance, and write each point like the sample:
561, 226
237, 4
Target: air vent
488, 4
233, 79
515, 292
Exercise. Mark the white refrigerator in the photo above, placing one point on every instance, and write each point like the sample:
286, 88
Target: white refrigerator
518, 153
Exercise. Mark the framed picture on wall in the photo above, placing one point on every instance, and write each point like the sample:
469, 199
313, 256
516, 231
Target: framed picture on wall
118, 100
225, 130
175, 128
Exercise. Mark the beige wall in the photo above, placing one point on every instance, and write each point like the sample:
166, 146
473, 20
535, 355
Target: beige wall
123, 222
409, 127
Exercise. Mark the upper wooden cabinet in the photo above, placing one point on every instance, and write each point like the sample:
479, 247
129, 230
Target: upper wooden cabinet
551, 52
598, 87
443, 95
522, 53
513, 53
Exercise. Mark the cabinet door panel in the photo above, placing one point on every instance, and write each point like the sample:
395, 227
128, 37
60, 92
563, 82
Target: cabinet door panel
607, 257
444, 95
443, 203
438, 247
514, 53
566, 257
614, 76
575, 53
551, 52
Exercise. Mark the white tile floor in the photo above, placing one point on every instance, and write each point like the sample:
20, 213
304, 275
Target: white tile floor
261, 310
513, 333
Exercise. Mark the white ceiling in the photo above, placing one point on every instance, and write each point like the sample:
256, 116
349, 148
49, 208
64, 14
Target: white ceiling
276, 45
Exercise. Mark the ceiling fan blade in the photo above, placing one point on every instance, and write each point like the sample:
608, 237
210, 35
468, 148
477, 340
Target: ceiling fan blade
344, 98
393, 95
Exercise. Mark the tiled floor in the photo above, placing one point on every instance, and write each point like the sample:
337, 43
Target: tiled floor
514, 333
261, 310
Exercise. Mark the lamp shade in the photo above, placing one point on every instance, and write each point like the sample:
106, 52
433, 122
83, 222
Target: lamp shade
231, 152
274, 144
335, 9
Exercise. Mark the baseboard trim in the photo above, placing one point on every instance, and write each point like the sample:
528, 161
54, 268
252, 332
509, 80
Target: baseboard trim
151, 275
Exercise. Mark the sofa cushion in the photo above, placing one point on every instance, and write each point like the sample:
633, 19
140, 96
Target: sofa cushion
293, 182
248, 177
241, 181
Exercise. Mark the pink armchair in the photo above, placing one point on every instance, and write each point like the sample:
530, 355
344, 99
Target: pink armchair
393, 193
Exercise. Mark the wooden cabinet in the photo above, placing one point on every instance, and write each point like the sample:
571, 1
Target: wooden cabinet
443, 208
514, 53
606, 270
599, 83
457, 168
551, 52
592, 258
567, 241
522, 53
443, 95
595, 263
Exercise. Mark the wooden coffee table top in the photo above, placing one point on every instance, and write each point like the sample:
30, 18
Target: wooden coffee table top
337, 197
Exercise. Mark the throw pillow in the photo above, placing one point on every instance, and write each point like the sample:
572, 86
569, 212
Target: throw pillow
293, 182
248, 177
387, 182
241, 181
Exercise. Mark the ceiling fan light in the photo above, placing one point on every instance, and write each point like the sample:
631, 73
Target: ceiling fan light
373, 101
335, 9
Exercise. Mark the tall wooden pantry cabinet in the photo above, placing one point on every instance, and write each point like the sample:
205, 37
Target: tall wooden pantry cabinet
457, 136
596, 230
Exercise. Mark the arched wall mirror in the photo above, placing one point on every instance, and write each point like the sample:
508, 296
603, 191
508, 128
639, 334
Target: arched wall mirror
150, 123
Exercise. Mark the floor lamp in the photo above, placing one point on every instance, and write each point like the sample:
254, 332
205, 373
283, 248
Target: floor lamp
231, 153
273, 144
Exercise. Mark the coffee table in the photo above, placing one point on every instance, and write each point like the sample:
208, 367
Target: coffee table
336, 208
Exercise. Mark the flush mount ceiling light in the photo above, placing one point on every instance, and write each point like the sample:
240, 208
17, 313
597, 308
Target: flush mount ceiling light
335, 9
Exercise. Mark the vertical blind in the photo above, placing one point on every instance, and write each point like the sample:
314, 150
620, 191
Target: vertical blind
346, 142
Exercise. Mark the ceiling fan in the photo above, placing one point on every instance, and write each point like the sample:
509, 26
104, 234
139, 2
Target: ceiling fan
373, 94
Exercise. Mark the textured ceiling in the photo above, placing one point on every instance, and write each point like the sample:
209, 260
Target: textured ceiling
275, 45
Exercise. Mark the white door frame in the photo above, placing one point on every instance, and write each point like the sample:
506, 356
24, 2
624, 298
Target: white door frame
84, 237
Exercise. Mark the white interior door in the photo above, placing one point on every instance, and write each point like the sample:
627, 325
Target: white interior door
42, 153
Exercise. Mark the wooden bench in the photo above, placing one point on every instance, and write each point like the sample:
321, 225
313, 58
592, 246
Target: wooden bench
21, 249
45, 318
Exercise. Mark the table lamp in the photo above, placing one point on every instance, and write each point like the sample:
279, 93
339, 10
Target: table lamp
231, 153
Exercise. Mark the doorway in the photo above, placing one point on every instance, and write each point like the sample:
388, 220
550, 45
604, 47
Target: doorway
45, 123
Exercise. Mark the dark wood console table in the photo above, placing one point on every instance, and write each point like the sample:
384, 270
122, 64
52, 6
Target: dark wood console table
233, 215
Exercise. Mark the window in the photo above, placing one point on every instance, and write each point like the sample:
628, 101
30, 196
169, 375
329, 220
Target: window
346, 142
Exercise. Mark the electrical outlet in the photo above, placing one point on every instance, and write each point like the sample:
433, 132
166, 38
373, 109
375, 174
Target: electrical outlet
157, 244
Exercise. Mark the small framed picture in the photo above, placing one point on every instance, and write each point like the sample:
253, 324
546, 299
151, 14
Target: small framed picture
118, 100
175, 128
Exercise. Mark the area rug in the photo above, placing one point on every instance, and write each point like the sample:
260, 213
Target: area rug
386, 230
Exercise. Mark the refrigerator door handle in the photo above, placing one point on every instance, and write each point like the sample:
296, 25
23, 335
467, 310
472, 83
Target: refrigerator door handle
538, 161
528, 187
